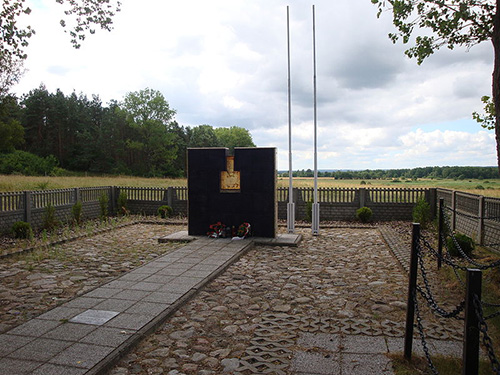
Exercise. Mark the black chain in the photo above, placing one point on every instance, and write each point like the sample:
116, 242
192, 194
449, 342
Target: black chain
483, 327
448, 260
428, 296
471, 216
422, 336
464, 255
491, 316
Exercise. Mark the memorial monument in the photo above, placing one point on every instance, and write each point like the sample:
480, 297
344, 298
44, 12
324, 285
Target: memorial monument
232, 189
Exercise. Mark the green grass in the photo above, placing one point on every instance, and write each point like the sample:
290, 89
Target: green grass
444, 365
490, 187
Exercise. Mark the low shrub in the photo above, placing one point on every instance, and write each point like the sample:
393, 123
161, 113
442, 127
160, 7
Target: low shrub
22, 229
165, 211
465, 242
364, 214
309, 208
122, 204
422, 213
50, 221
103, 206
76, 212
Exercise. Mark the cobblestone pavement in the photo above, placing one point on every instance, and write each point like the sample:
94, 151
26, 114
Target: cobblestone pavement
252, 318
32, 283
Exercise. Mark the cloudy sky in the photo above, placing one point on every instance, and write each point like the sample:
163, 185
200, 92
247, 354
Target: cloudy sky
224, 63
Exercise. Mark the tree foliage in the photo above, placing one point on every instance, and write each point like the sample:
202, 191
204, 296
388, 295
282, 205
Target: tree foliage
451, 23
137, 136
82, 16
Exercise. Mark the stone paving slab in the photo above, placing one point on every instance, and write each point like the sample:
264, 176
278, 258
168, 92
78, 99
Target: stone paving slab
88, 333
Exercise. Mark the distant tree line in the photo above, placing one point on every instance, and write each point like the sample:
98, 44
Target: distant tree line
459, 173
51, 133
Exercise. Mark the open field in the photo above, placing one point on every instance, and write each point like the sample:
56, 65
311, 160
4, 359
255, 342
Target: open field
490, 188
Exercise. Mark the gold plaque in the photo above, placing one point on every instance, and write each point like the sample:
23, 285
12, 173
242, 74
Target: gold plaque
230, 179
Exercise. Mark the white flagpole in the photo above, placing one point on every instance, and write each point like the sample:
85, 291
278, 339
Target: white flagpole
290, 213
315, 207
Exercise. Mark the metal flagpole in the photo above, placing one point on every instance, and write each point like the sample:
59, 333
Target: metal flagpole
290, 213
315, 207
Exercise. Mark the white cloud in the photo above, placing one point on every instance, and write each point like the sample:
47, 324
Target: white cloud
223, 63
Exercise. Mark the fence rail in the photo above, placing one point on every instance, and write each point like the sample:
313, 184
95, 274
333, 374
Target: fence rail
11, 201
398, 195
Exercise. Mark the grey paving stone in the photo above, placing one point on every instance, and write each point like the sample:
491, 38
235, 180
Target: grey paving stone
363, 364
11, 366
82, 355
156, 278
163, 297
115, 304
364, 344
120, 284
147, 286
35, 328
316, 363
448, 348
396, 345
50, 369
129, 321
133, 295
84, 302
201, 274
147, 308
170, 271
62, 313
319, 340
95, 317
10, 343
177, 288
103, 292
107, 336
70, 332
133, 276
40, 350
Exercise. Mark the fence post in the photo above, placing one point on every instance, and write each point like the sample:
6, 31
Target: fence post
113, 196
27, 206
362, 197
412, 287
453, 208
432, 199
170, 196
76, 196
440, 231
480, 224
470, 354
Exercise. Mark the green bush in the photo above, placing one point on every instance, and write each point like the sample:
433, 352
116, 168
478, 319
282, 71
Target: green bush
103, 206
22, 229
165, 211
50, 221
422, 213
27, 164
465, 242
309, 208
364, 214
76, 212
122, 203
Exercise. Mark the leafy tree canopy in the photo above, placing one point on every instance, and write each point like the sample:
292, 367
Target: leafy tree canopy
451, 23
82, 17
234, 136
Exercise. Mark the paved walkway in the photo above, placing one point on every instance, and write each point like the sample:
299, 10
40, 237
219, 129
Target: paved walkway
89, 333
86, 334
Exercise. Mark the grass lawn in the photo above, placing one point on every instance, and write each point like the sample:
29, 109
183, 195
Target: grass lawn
490, 188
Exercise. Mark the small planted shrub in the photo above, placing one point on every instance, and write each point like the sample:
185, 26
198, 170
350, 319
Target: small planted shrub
309, 208
165, 211
422, 213
465, 242
103, 206
50, 221
364, 214
22, 229
122, 204
76, 212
